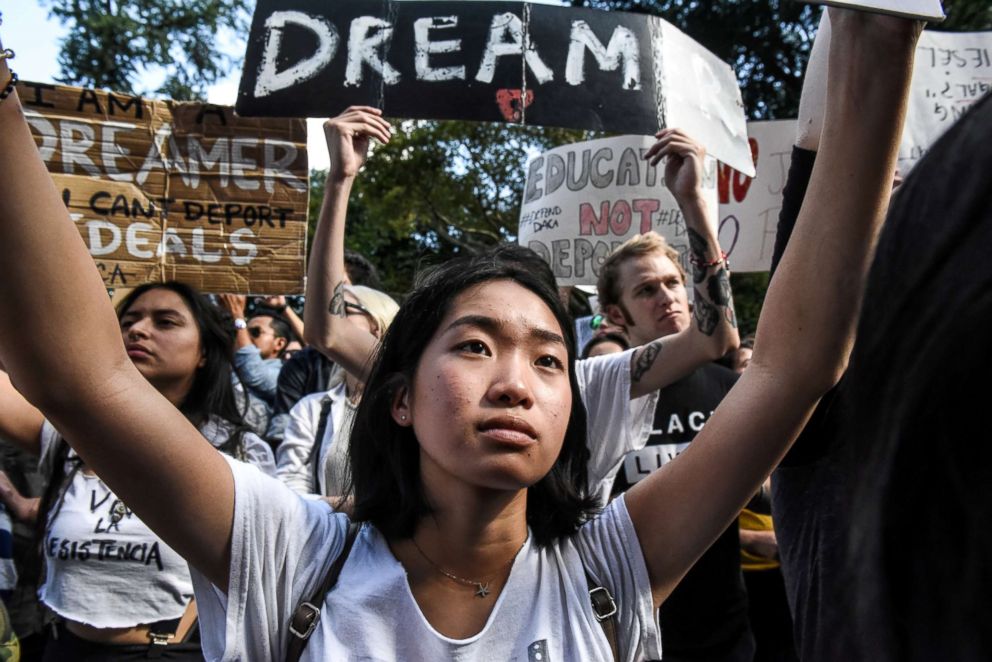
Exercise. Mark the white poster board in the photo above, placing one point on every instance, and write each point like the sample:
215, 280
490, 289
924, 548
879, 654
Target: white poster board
953, 70
583, 200
929, 10
703, 98
749, 208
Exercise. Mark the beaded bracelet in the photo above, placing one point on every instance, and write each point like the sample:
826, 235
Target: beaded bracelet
702, 264
7, 54
9, 88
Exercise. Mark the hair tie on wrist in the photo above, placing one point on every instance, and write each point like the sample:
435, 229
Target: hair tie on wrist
699, 263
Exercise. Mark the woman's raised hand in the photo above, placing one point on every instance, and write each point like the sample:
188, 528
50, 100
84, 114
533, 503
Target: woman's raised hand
348, 137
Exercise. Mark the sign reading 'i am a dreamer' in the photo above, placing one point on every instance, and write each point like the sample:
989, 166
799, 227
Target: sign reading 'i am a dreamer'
491, 61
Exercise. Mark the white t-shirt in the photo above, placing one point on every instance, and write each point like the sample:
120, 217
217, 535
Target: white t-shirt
617, 425
292, 457
282, 545
104, 567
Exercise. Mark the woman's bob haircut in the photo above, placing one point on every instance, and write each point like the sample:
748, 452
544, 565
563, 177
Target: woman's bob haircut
385, 458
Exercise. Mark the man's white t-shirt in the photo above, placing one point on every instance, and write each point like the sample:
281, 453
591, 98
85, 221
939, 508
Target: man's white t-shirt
616, 425
282, 545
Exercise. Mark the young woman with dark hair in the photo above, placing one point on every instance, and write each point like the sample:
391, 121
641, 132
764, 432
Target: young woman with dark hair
477, 419
107, 576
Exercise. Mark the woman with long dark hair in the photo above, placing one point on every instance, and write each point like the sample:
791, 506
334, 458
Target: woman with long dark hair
477, 539
114, 585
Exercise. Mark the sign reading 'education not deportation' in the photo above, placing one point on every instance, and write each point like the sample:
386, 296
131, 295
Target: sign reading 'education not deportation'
583, 200
491, 61
185, 191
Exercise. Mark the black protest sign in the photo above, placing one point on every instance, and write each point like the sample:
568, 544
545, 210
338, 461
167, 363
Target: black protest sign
484, 61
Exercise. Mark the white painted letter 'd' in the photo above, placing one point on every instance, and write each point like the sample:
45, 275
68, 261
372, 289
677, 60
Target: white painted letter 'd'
269, 80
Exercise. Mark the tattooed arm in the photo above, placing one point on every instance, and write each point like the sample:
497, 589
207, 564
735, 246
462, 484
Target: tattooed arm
714, 330
325, 326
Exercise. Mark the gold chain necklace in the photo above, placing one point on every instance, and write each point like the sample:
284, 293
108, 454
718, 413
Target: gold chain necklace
481, 588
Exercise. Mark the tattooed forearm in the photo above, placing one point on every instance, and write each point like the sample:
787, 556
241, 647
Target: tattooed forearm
337, 301
718, 287
643, 360
717, 302
706, 314
699, 250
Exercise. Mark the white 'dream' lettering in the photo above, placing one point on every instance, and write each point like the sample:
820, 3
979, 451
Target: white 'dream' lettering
277, 167
269, 80
509, 26
202, 160
111, 151
425, 47
364, 49
49, 137
623, 47
73, 150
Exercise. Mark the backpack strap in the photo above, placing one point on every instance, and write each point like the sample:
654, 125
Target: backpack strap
604, 608
318, 442
307, 614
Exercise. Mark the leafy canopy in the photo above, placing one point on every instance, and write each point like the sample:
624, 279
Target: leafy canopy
113, 44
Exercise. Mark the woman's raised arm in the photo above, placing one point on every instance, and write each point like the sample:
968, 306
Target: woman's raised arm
807, 325
61, 345
325, 325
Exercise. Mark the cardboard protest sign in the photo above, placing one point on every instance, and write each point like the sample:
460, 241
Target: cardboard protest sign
185, 191
749, 208
494, 62
583, 200
929, 10
953, 70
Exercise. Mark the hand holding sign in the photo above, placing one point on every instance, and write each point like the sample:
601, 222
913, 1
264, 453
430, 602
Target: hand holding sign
683, 163
348, 137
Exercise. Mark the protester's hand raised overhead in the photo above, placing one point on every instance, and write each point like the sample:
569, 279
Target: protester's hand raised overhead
348, 137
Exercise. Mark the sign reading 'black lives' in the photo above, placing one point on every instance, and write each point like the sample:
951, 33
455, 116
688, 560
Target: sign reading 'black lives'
491, 61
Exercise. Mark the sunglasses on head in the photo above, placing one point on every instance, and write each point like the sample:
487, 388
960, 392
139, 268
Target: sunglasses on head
356, 309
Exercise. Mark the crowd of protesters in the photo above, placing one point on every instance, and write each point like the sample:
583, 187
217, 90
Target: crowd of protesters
445, 474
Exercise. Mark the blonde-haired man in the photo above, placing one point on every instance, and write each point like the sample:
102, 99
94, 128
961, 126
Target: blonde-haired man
643, 288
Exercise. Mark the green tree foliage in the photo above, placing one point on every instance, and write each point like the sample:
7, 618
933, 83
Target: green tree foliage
967, 15
439, 189
113, 43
